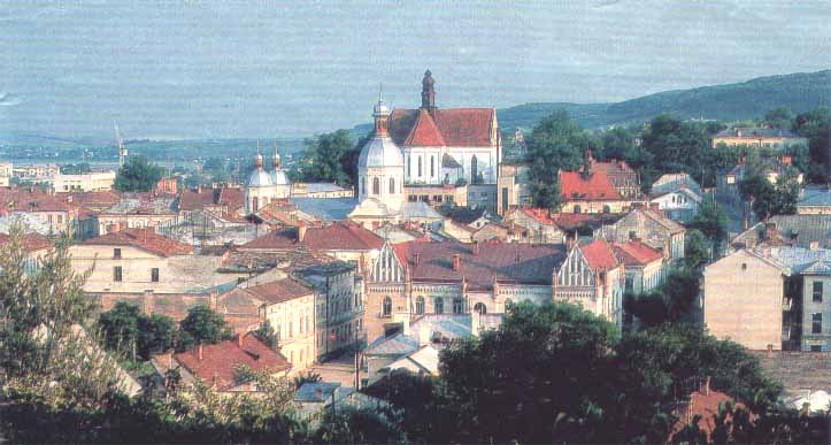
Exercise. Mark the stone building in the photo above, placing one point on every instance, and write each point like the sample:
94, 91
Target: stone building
653, 228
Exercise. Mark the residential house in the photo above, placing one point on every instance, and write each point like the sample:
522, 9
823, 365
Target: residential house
814, 201
624, 179
513, 185
592, 277
677, 195
34, 245
792, 230
438, 195
538, 222
138, 210
320, 190
653, 228
590, 192
218, 365
727, 184
643, 266
756, 137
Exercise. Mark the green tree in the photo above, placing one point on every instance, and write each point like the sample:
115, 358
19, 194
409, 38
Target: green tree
711, 221
138, 174
696, 249
676, 146
815, 125
767, 199
330, 157
556, 144
204, 325
156, 334
120, 327
265, 333
779, 118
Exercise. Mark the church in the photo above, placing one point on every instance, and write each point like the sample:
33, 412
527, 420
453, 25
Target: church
443, 145
265, 187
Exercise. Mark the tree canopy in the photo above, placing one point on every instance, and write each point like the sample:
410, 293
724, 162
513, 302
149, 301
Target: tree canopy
331, 157
138, 174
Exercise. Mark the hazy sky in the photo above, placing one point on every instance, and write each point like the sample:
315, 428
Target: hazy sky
236, 68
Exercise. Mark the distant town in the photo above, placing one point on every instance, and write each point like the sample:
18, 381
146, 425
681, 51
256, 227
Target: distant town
437, 279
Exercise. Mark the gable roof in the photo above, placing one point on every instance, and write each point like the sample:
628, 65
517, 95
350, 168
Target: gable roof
31, 242
458, 127
219, 361
342, 235
636, 253
424, 132
281, 290
598, 254
145, 239
197, 199
660, 218
594, 187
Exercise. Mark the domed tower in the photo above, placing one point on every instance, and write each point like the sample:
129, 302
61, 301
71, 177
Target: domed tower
259, 190
381, 166
279, 178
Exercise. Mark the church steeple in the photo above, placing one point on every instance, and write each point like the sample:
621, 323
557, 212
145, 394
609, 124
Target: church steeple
428, 94
381, 113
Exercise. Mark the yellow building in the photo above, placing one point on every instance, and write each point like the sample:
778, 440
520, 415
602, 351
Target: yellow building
758, 138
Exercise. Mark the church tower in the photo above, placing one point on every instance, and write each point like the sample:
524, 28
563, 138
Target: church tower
428, 92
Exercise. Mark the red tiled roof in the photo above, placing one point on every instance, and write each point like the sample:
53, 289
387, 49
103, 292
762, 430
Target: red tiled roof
281, 290
636, 253
31, 242
233, 198
219, 361
339, 236
594, 187
424, 132
145, 239
197, 199
102, 199
703, 403
599, 255
611, 167
458, 127
538, 215
515, 263
573, 221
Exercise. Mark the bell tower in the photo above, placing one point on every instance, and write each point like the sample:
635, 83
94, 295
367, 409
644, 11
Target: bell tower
428, 93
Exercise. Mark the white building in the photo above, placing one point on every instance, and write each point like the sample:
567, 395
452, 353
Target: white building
87, 182
265, 187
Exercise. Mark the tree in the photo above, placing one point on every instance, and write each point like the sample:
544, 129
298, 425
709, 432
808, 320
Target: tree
676, 146
204, 325
696, 249
815, 125
556, 144
780, 118
331, 157
711, 221
769, 200
265, 333
130, 333
138, 174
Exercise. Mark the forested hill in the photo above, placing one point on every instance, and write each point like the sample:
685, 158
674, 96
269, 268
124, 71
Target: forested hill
800, 92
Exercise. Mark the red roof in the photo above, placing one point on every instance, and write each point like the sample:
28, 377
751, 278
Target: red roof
424, 132
145, 239
102, 199
281, 290
599, 255
510, 263
636, 253
574, 221
31, 242
342, 235
457, 127
218, 363
539, 215
196, 199
594, 187
233, 198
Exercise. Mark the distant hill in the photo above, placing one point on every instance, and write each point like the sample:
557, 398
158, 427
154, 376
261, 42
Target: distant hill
800, 92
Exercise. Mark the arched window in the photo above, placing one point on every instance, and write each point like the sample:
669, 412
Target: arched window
438, 305
474, 169
577, 209
392, 186
386, 307
480, 308
363, 185
509, 304
255, 204
419, 306
607, 209
376, 186
458, 305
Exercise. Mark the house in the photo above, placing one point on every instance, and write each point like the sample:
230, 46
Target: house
35, 247
745, 300
643, 266
437, 195
96, 181
814, 201
513, 185
727, 184
413, 279
653, 228
474, 218
592, 277
217, 366
139, 260
623, 178
756, 137
678, 196
138, 210
538, 222
320, 190
54, 213
793, 230
591, 192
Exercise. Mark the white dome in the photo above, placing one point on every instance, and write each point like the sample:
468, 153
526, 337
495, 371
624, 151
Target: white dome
279, 177
380, 151
259, 178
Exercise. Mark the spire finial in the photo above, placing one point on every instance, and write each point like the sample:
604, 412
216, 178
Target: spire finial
380, 91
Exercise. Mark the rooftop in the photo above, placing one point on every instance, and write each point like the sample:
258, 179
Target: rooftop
456, 127
599, 254
636, 253
338, 236
592, 187
145, 239
280, 291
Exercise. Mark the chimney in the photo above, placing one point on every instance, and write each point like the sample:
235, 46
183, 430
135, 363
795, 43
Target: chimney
770, 230
404, 319
301, 232
655, 207
199, 351
457, 262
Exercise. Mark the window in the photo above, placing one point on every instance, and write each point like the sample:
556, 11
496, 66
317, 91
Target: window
816, 348
409, 166
154, 274
607, 209
117, 273
116, 254
363, 185
508, 304
480, 308
438, 305
629, 285
432, 166
577, 209
458, 306
376, 186
419, 306
419, 166
255, 204
392, 186
816, 323
474, 169
817, 292
386, 307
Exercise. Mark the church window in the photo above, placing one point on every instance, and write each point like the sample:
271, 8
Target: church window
376, 186
419, 166
480, 308
438, 305
386, 307
419, 306
458, 306
392, 186
363, 185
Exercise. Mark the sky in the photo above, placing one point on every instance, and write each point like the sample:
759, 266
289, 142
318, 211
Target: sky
243, 68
